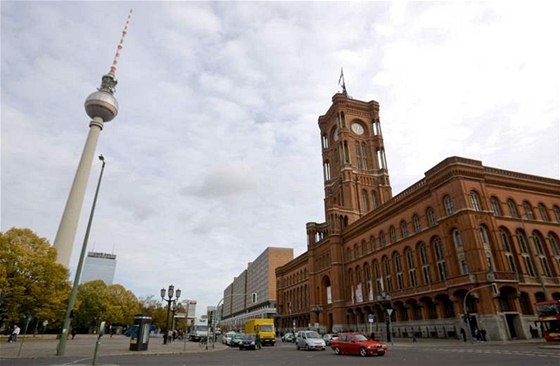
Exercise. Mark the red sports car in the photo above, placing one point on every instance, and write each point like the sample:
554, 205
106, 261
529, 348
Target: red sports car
358, 344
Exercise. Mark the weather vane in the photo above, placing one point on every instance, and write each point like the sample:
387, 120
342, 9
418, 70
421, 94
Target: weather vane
341, 82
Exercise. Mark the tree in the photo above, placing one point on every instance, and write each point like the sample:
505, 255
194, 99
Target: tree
96, 302
32, 282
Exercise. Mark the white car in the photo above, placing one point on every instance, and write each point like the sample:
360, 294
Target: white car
309, 339
226, 338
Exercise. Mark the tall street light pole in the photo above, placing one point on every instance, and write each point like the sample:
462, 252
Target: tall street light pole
169, 300
64, 336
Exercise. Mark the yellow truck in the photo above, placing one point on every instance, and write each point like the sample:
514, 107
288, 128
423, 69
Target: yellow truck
264, 328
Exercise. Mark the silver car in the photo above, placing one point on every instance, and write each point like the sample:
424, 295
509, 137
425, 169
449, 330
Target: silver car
309, 339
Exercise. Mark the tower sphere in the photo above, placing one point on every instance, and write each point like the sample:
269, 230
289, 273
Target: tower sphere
101, 104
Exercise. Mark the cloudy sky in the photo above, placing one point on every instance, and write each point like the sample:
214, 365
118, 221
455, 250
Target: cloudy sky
215, 154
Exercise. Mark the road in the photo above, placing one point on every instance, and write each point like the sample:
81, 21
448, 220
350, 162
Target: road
422, 353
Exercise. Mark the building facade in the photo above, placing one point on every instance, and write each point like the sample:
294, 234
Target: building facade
465, 239
252, 294
99, 266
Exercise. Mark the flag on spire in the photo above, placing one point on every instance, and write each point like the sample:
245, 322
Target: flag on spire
341, 79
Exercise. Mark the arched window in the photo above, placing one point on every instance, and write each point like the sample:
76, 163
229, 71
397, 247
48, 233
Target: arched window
506, 243
372, 243
388, 277
399, 270
382, 240
525, 254
374, 199
324, 141
556, 210
539, 244
356, 251
348, 254
367, 272
417, 224
512, 207
458, 241
365, 202
425, 264
411, 266
404, 229
431, 215
483, 231
528, 210
377, 274
448, 204
555, 245
496, 206
475, 201
393, 234
543, 212
364, 247
327, 170
440, 259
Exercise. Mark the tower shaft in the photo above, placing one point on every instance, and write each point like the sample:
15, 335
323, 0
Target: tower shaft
66, 234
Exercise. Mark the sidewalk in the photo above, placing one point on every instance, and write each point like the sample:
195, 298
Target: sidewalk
84, 345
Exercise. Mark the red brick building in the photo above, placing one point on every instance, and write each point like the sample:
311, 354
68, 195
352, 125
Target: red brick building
464, 238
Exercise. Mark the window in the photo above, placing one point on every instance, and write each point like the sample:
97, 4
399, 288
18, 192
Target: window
398, 269
327, 170
523, 245
448, 204
356, 251
364, 247
483, 231
324, 141
393, 234
373, 199
430, 214
411, 267
457, 240
367, 272
377, 274
372, 243
555, 247
512, 206
388, 277
475, 201
460, 251
544, 213
404, 229
539, 244
358, 149
556, 210
496, 206
382, 239
365, 203
506, 243
528, 210
425, 264
440, 259
417, 224
364, 155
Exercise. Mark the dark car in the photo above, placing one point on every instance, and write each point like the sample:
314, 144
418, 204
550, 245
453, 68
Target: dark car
357, 344
248, 341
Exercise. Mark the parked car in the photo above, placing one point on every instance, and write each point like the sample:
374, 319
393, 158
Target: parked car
226, 339
236, 339
288, 337
309, 339
248, 341
328, 338
357, 344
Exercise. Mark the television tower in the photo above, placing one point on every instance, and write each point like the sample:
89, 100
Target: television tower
101, 106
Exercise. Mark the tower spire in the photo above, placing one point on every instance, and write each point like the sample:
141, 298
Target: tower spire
113, 68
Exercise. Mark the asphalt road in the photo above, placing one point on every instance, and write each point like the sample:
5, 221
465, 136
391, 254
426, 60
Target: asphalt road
401, 353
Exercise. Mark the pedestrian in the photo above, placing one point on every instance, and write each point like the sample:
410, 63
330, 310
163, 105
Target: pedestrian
73, 332
477, 334
15, 333
483, 334
464, 334
258, 341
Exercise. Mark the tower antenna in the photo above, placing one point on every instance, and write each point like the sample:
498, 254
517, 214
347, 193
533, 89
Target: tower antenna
113, 68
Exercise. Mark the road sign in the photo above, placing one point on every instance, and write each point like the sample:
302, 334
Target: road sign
389, 311
371, 318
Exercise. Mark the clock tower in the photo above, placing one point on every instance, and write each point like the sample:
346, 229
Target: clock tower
355, 170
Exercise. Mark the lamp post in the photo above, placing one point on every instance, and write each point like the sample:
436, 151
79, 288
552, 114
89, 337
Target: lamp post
385, 299
170, 291
69, 310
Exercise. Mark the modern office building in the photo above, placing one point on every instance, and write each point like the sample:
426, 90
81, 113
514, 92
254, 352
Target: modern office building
252, 294
465, 238
99, 266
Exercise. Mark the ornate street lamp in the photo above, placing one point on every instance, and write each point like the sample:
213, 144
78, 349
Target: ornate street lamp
170, 291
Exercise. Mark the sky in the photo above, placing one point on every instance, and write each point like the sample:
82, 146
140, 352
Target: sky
215, 154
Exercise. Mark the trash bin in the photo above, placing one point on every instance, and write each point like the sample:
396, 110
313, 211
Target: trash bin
140, 333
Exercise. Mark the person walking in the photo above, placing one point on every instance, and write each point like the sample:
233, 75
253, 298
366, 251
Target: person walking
14, 334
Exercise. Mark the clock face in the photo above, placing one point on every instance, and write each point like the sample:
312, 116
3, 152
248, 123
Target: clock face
357, 128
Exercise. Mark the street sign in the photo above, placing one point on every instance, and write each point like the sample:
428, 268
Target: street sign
371, 318
389, 311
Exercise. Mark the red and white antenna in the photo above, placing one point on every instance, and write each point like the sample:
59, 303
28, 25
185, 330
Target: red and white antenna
120, 46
